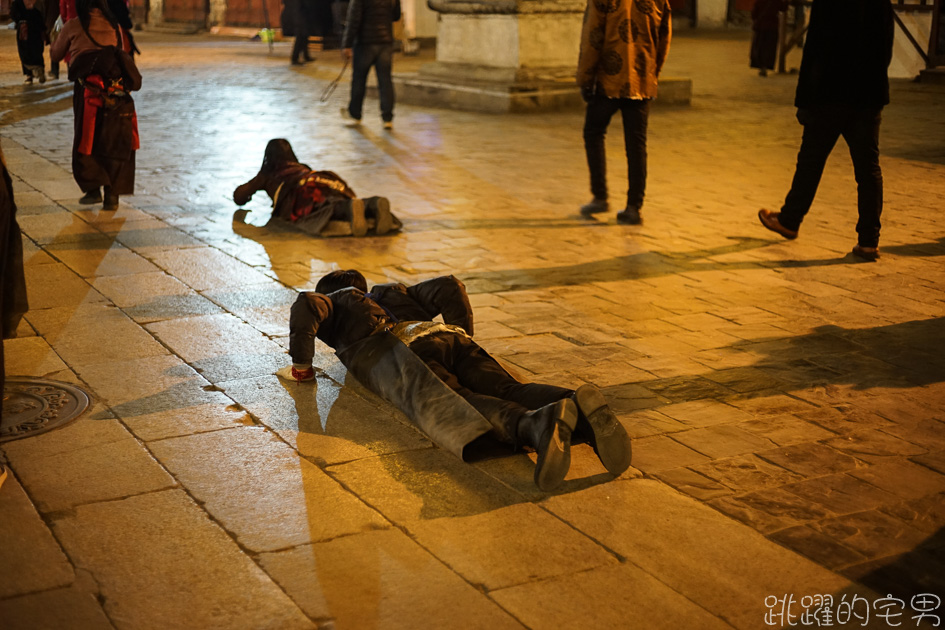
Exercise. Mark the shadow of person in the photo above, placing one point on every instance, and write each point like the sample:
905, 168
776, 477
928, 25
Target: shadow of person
896, 356
296, 257
911, 574
640, 265
900, 355
928, 249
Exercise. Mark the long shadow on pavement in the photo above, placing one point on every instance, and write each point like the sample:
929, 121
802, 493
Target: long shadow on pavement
655, 264
898, 356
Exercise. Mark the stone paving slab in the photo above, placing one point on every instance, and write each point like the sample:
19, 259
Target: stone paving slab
105, 462
99, 334
380, 580
72, 608
285, 508
95, 258
421, 485
620, 596
327, 424
666, 536
32, 560
31, 355
525, 544
196, 578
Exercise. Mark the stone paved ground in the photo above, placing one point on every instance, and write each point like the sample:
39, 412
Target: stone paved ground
787, 402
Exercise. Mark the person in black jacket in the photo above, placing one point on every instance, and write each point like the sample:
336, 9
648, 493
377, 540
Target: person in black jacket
841, 91
342, 313
368, 41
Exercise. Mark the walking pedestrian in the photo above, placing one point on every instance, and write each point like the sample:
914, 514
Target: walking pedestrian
106, 128
368, 41
13, 302
842, 88
52, 25
29, 16
623, 47
299, 17
765, 24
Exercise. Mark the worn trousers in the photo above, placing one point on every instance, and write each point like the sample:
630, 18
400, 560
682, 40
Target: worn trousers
473, 374
600, 110
363, 57
822, 127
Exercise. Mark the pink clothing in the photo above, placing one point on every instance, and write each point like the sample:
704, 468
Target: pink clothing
73, 41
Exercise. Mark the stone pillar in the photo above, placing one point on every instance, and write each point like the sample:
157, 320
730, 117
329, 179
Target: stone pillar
711, 13
500, 56
155, 12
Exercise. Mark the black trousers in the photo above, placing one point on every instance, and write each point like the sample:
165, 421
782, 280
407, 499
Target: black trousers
363, 57
822, 127
469, 371
635, 113
300, 46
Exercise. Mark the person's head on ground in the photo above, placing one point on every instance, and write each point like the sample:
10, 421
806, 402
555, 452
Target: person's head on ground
278, 153
341, 279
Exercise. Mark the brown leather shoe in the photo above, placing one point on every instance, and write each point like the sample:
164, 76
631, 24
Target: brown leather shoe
866, 253
771, 221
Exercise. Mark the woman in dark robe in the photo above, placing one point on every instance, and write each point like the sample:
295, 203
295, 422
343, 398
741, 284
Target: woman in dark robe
30, 36
13, 302
106, 127
310, 199
765, 23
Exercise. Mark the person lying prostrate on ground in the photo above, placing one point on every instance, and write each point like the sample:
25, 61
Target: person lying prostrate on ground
309, 199
341, 312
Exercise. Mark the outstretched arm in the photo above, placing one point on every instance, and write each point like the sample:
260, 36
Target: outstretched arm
308, 313
245, 192
445, 296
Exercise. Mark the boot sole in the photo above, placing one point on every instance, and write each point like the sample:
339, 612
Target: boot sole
385, 222
609, 438
358, 222
554, 456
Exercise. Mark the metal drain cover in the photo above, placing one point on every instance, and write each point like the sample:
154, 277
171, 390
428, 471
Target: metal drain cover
35, 405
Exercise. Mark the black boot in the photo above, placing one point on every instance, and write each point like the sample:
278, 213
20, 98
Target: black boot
603, 431
548, 431
90, 197
385, 220
358, 222
111, 200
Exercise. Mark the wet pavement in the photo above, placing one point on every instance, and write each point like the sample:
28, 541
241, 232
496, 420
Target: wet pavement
787, 401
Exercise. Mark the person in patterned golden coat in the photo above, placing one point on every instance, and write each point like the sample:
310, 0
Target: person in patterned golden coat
623, 46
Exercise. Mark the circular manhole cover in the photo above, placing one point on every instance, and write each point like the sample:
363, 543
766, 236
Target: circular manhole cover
34, 405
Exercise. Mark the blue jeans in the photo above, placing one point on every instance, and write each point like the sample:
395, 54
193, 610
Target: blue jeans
381, 57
